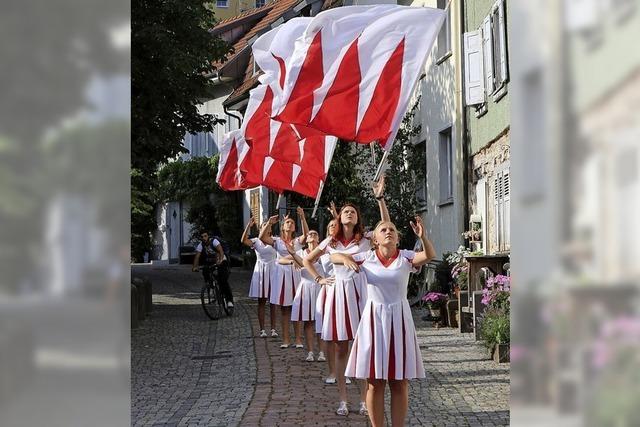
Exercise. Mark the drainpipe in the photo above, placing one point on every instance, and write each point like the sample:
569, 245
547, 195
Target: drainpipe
237, 117
465, 133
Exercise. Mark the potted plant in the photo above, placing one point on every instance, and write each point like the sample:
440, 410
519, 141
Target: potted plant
495, 321
434, 301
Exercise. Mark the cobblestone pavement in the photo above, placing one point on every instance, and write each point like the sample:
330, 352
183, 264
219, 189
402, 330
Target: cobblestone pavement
187, 370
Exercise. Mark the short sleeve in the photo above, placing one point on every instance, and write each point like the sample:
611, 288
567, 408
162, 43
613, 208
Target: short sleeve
409, 256
215, 243
254, 240
368, 234
297, 246
199, 247
323, 245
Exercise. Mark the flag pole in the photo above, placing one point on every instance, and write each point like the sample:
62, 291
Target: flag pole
383, 163
317, 202
279, 202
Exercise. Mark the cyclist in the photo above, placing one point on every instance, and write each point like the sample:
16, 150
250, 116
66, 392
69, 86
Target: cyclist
213, 254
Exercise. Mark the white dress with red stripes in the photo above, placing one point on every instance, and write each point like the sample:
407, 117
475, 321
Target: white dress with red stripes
287, 277
386, 344
327, 269
304, 303
345, 299
264, 271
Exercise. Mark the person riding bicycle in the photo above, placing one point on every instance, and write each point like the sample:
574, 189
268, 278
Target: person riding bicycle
213, 254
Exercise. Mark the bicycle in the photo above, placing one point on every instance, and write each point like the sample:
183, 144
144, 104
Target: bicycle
211, 296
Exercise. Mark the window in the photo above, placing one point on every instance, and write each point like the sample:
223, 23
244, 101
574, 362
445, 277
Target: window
445, 155
254, 203
222, 3
502, 209
444, 36
486, 58
260, 3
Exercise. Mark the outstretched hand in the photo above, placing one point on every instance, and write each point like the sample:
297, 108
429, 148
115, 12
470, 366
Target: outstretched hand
378, 187
251, 223
273, 219
418, 226
332, 209
300, 212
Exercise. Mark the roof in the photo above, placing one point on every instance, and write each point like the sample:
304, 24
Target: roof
276, 9
222, 26
249, 82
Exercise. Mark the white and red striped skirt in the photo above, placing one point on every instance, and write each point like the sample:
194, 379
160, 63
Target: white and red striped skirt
283, 289
344, 303
263, 275
386, 345
304, 302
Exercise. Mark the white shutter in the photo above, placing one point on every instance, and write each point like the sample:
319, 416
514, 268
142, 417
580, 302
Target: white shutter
506, 214
473, 75
502, 29
497, 206
487, 54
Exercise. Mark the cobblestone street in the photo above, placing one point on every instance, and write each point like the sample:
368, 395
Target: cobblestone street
187, 370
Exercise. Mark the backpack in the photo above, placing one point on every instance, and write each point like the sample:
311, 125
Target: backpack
226, 248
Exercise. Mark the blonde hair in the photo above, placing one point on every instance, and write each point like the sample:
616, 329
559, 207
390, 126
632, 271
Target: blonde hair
375, 229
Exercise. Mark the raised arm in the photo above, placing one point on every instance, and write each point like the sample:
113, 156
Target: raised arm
332, 210
245, 235
346, 260
264, 236
378, 193
308, 264
305, 226
296, 258
428, 252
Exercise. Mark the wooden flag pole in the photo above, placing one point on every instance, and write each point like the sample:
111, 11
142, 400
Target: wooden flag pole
317, 202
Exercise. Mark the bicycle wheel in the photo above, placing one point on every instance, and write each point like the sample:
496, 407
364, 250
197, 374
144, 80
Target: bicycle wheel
210, 299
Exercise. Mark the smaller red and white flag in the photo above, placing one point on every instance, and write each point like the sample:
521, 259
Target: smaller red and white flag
233, 149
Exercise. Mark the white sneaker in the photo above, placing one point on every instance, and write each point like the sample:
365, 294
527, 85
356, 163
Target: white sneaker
347, 380
363, 409
342, 409
263, 334
299, 345
309, 357
321, 357
330, 380
274, 333
230, 304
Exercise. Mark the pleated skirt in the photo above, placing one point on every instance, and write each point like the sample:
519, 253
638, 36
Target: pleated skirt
386, 345
320, 303
283, 289
264, 274
344, 303
304, 302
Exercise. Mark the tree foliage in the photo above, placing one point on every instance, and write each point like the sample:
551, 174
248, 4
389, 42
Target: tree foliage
172, 60
210, 207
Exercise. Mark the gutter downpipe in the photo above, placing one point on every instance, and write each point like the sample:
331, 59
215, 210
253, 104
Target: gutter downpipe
465, 133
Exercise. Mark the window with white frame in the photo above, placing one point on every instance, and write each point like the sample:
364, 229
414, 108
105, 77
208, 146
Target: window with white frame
222, 3
445, 160
260, 3
488, 76
502, 209
444, 36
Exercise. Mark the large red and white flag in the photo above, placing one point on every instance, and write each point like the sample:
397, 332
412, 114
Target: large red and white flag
354, 68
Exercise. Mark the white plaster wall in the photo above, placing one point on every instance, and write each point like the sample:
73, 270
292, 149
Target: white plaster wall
439, 109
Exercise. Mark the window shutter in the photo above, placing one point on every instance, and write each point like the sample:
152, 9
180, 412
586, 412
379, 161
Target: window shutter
506, 215
504, 71
473, 75
487, 53
497, 190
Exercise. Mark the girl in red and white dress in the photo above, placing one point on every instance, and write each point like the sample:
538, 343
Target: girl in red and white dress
263, 276
345, 299
386, 346
304, 303
287, 276
327, 347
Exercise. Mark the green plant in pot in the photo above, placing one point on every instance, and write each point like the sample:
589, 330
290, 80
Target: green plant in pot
434, 301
